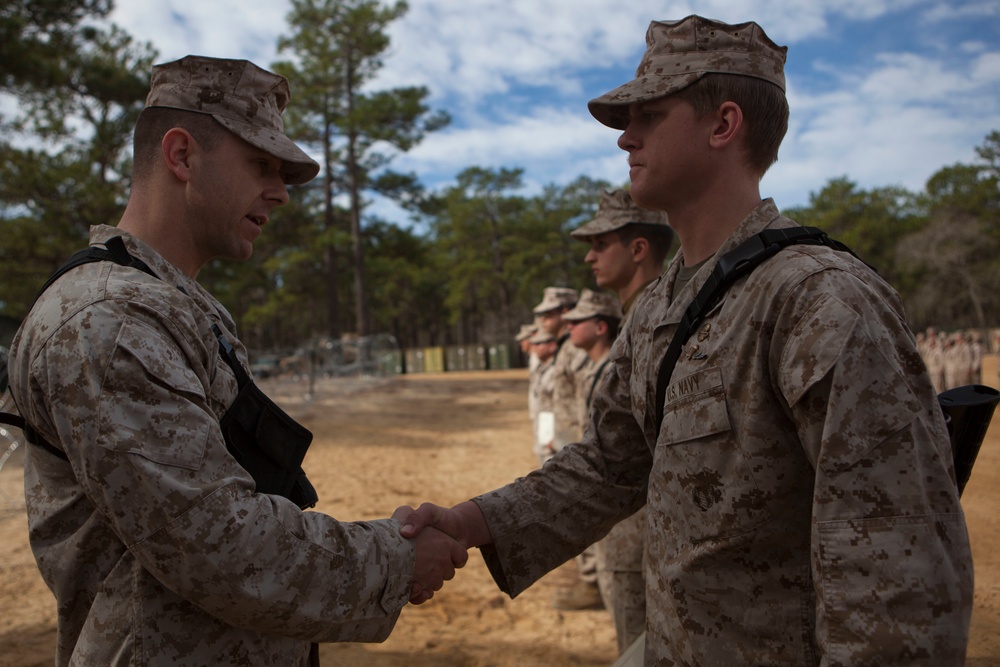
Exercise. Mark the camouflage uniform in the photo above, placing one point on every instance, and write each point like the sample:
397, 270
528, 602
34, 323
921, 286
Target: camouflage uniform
802, 505
151, 537
618, 557
541, 389
568, 369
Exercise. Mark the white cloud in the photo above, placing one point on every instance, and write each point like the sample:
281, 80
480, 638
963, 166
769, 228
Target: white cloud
219, 28
951, 11
515, 76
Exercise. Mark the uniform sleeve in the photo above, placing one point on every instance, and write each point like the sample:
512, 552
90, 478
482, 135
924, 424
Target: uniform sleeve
146, 446
891, 562
542, 520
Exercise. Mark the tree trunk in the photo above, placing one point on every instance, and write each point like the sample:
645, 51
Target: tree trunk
329, 251
361, 295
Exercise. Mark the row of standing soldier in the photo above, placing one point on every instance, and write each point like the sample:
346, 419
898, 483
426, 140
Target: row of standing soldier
569, 345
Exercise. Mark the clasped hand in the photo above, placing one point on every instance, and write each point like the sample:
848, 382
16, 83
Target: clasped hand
439, 552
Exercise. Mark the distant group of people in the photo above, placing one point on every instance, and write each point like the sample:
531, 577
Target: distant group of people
569, 345
953, 359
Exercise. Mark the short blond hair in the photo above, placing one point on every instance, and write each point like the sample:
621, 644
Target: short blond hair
764, 106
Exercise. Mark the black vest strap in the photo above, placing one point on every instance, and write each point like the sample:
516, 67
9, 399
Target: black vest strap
114, 251
229, 354
732, 266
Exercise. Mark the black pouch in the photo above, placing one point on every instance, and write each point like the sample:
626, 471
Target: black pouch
269, 445
263, 439
968, 412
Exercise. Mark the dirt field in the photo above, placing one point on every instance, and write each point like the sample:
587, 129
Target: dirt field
444, 438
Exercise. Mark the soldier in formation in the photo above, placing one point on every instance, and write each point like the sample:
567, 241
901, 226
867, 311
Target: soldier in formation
796, 469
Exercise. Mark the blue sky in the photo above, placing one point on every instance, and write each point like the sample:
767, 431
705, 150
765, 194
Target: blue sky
885, 92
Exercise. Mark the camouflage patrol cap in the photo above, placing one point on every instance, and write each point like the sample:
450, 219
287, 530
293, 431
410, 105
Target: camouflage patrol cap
678, 53
542, 336
616, 210
244, 98
556, 297
594, 304
527, 331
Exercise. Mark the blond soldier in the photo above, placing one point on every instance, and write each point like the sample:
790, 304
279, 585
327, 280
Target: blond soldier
801, 497
628, 246
158, 544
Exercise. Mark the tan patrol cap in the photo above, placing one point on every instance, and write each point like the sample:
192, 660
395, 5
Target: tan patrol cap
594, 304
678, 53
527, 331
556, 297
616, 210
542, 336
244, 98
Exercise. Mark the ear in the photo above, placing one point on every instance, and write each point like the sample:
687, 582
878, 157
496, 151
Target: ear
639, 249
178, 147
728, 120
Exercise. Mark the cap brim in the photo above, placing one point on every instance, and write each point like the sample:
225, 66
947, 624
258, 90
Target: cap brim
611, 108
576, 316
298, 167
594, 228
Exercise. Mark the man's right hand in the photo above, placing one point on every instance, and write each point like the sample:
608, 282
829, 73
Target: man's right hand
439, 531
438, 555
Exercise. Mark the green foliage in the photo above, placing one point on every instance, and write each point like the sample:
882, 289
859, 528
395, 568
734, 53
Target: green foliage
76, 120
482, 250
957, 254
869, 222
499, 249
339, 46
35, 36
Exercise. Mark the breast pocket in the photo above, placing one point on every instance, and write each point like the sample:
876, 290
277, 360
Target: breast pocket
701, 481
152, 402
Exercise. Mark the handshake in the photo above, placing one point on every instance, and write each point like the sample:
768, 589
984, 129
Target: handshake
442, 539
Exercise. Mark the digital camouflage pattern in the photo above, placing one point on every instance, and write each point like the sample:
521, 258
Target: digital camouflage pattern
801, 500
587, 379
243, 97
615, 210
620, 577
570, 361
151, 537
617, 559
678, 53
555, 297
593, 304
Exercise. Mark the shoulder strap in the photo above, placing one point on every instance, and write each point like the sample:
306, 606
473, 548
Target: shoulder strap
114, 251
732, 266
229, 354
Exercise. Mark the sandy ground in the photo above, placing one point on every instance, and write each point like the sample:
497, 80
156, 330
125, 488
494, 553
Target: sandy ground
444, 438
